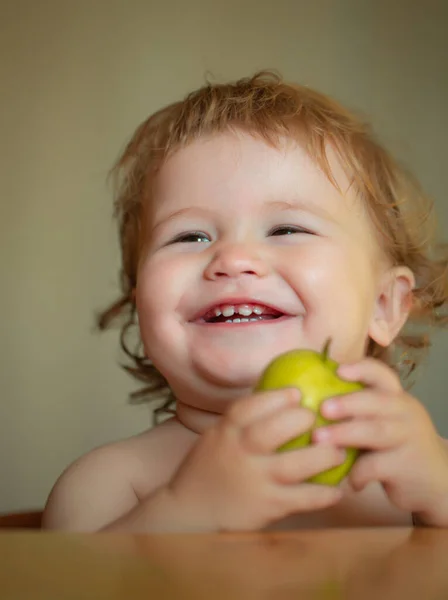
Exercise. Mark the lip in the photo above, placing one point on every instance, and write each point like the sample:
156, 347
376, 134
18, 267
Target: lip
239, 300
233, 326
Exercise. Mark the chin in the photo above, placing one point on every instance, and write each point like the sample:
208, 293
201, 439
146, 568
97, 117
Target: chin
230, 374
234, 371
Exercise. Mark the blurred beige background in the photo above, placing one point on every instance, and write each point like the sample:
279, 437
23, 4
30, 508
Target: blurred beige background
77, 77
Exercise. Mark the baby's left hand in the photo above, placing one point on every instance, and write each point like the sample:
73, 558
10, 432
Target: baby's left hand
404, 451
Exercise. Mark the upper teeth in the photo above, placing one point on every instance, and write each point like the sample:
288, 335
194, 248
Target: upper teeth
243, 309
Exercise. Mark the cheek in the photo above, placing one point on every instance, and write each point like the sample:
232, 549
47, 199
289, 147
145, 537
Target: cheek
151, 295
338, 281
161, 285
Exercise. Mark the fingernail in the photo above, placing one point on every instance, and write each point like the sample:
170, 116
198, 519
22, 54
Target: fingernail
322, 434
293, 394
330, 407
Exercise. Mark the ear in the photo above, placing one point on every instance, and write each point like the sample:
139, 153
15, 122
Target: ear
393, 305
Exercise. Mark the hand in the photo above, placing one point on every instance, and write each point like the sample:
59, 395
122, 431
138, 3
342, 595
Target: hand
234, 480
404, 451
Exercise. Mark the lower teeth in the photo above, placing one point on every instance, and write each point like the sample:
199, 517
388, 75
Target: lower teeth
242, 320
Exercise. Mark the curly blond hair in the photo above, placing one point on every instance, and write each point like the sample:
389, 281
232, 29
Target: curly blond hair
266, 106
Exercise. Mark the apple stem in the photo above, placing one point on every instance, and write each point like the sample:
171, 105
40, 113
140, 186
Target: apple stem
326, 349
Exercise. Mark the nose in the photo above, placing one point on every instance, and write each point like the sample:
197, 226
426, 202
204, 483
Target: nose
234, 261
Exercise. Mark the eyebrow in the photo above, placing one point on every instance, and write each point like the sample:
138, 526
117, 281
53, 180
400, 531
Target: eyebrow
180, 212
283, 205
299, 204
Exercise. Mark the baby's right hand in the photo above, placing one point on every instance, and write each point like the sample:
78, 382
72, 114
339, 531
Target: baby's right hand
234, 480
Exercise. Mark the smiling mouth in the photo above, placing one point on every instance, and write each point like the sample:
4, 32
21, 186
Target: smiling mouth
243, 313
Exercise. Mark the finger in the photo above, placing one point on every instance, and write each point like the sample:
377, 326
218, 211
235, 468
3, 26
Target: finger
266, 434
298, 466
367, 403
373, 373
369, 467
371, 434
307, 497
260, 405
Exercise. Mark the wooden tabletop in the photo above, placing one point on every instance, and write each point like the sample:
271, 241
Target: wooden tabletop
358, 564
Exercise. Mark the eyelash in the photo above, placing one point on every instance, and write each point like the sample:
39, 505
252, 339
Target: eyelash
291, 228
184, 237
194, 236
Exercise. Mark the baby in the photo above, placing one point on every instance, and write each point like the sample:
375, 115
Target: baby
255, 218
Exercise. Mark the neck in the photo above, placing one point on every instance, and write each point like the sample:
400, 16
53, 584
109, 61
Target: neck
195, 419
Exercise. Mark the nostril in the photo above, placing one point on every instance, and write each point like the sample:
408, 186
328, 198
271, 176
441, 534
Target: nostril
230, 274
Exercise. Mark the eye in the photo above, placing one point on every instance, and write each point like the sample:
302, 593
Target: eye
191, 237
288, 230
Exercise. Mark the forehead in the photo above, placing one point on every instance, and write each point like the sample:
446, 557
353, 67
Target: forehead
238, 170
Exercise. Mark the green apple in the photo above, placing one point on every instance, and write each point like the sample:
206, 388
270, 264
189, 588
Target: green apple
314, 374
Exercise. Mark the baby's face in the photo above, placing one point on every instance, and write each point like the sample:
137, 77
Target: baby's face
251, 252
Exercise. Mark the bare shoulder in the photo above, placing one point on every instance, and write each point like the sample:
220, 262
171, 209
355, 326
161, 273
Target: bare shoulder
109, 481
